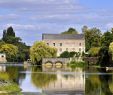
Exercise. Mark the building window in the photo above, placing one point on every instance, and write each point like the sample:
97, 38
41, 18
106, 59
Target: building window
79, 49
60, 49
66, 49
2, 56
60, 44
53, 44
48, 44
80, 44
73, 49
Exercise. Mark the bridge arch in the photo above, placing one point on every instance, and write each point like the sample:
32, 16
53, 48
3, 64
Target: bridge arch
58, 63
49, 63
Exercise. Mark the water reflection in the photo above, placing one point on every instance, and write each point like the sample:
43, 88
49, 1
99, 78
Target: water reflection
42, 80
58, 80
53, 80
8, 80
99, 84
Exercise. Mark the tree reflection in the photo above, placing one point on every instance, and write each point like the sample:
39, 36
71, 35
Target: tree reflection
99, 84
9, 78
41, 79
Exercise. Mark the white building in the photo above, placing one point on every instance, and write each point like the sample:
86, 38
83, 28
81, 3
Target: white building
65, 42
2, 58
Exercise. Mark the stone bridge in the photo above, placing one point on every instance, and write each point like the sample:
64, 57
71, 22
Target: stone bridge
91, 60
54, 61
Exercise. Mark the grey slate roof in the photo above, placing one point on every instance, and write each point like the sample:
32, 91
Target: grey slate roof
62, 36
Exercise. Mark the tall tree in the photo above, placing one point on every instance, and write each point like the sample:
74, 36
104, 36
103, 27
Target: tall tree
10, 32
106, 39
70, 31
92, 38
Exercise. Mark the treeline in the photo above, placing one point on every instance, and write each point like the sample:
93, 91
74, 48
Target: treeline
13, 47
94, 37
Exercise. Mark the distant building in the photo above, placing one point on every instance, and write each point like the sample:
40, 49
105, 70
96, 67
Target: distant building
65, 42
2, 58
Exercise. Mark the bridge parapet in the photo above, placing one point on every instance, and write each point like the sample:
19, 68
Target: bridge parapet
63, 61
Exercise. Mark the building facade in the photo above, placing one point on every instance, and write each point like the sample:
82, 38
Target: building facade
2, 58
65, 42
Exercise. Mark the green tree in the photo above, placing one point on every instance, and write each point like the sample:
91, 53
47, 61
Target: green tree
10, 31
10, 50
94, 51
70, 31
72, 54
9, 37
92, 37
40, 50
106, 39
104, 57
111, 48
65, 54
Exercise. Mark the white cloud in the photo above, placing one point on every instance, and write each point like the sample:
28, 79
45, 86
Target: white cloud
109, 25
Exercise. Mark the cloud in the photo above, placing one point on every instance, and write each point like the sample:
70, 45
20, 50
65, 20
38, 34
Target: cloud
109, 25
31, 18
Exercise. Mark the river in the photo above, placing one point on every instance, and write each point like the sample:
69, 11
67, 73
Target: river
37, 80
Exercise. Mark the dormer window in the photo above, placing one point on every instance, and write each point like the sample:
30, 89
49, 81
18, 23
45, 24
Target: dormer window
53, 44
48, 44
60, 44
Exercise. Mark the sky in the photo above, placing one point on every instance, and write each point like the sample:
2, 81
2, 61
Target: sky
31, 18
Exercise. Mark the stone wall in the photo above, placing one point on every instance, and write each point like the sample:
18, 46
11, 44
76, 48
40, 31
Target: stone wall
66, 45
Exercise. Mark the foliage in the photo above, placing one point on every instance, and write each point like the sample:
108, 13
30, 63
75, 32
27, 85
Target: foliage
9, 37
40, 50
111, 47
107, 38
10, 50
94, 51
104, 57
72, 54
74, 64
92, 37
67, 54
70, 31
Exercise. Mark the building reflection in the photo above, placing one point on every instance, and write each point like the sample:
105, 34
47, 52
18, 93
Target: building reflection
2, 68
69, 83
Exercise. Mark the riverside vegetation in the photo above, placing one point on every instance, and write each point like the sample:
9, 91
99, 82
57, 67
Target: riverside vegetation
16, 50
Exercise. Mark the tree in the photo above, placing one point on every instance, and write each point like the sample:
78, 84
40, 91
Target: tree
70, 31
65, 54
106, 39
94, 51
92, 37
9, 37
10, 51
84, 29
40, 50
10, 32
104, 57
72, 54
111, 48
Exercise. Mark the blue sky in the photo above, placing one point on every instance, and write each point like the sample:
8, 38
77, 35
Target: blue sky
31, 18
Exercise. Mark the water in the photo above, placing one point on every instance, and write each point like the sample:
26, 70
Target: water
35, 80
